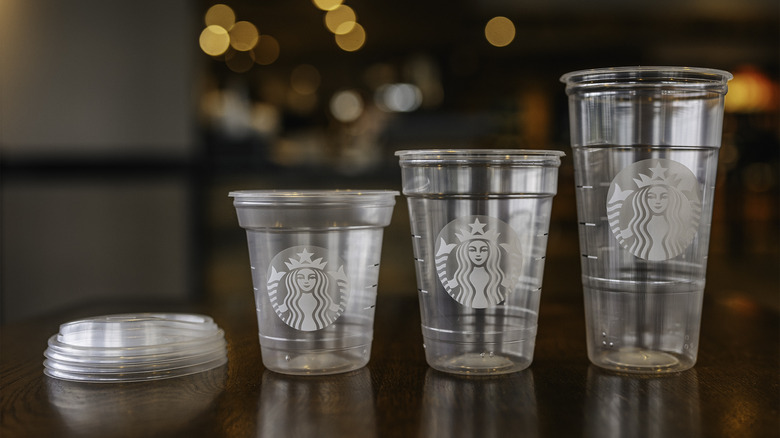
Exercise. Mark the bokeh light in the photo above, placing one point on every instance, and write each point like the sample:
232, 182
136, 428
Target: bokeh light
220, 15
266, 118
398, 97
305, 79
243, 36
353, 40
327, 5
346, 106
214, 40
751, 91
240, 61
500, 31
266, 50
341, 20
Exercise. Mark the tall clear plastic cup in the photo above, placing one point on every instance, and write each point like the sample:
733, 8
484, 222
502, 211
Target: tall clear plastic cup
645, 143
314, 257
479, 221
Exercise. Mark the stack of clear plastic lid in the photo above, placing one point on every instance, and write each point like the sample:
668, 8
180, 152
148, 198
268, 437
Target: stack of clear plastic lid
134, 347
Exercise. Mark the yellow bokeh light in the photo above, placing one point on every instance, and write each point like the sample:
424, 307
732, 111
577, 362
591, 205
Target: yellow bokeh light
341, 20
327, 5
500, 31
221, 15
353, 40
750, 91
266, 50
214, 40
240, 62
305, 79
243, 36
345, 28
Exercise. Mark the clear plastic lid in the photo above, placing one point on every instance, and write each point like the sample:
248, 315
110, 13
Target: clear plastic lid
131, 347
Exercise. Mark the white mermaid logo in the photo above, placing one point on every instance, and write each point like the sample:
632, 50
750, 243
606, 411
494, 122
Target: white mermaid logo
305, 295
654, 208
478, 273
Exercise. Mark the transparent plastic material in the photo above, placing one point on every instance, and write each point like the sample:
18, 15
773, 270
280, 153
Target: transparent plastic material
134, 347
645, 145
479, 221
314, 259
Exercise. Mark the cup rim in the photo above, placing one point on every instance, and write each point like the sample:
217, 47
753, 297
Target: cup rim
479, 152
348, 196
516, 157
648, 76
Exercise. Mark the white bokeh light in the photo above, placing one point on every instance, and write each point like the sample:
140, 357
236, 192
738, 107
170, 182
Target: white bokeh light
346, 106
399, 97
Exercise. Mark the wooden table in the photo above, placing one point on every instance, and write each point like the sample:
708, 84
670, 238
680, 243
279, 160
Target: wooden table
733, 391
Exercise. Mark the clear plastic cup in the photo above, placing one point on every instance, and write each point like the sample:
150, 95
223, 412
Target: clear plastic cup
315, 258
479, 221
645, 143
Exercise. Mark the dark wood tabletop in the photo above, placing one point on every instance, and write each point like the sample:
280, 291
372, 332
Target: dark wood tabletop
733, 391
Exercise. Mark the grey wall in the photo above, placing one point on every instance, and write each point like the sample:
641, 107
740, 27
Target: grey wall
85, 83
96, 77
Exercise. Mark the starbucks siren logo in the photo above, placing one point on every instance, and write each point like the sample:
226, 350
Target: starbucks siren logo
654, 208
304, 293
472, 258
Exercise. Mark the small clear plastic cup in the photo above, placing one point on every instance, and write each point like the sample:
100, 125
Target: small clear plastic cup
314, 259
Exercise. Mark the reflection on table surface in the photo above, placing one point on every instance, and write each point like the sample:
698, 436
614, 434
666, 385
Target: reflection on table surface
89, 409
307, 406
457, 406
641, 406
732, 390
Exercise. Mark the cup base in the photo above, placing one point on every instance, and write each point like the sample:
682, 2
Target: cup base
318, 362
642, 361
478, 364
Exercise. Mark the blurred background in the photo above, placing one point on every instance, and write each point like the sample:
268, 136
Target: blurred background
123, 125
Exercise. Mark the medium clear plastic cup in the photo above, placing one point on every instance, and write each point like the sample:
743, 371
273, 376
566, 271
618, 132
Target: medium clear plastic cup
645, 143
315, 258
479, 221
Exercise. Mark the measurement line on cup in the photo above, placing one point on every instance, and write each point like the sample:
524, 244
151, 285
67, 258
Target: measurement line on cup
416, 259
372, 286
414, 236
584, 187
590, 257
422, 291
369, 307
588, 224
